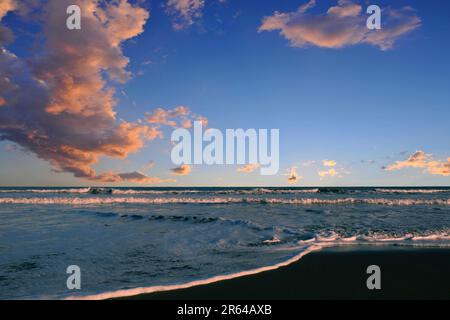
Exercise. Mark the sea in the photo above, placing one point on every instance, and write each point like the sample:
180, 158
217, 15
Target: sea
134, 240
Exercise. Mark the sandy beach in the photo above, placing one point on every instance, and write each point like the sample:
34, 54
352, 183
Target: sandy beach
336, 273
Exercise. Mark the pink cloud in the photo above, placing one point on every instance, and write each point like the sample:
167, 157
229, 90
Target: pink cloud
249, 168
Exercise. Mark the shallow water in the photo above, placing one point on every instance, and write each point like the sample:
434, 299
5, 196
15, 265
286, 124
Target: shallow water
125, 238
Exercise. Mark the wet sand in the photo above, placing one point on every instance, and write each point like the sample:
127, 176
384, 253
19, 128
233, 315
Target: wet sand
336, 273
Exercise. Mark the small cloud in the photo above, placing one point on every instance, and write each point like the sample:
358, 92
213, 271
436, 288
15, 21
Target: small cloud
184, 12
330, 172
249, 168
329, 163
134, 176
423, 160
2, 101
308, 163
180, 116
293, 175
182, 170
149, 165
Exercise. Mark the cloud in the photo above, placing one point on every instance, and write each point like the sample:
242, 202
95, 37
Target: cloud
423, 160
184, 12
341, 26
180, 116
330, 172
134, 176
182, 170
60, 103
329, 163
293, 175
6, 6
249, 168
149, 165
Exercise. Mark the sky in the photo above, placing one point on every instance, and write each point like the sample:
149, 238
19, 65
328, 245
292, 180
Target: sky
97, 106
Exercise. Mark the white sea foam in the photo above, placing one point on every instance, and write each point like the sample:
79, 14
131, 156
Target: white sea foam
162, 192
411, 191
222, 200
152, 289
71, 190
305, 247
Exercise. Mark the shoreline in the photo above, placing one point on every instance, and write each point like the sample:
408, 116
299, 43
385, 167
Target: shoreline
329, 273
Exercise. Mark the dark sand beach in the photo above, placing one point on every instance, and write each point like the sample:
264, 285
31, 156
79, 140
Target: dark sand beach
336, 273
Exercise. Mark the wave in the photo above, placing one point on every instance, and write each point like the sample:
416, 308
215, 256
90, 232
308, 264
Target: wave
411, 191
92, 190
71, 190
152, 289
333, 237
223, 200
304, 247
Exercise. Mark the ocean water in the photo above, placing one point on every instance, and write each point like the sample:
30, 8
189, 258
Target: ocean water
125, 238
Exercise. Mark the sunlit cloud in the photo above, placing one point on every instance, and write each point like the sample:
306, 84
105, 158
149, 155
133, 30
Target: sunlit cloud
180, 116
330, 172
342, 25
249, 168
67, 115
293, 176
329, 163
134, 176
422, 160
182, 170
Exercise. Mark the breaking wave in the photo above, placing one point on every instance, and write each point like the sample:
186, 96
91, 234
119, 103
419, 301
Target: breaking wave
119, 191
304, 248
223, 200
411, 191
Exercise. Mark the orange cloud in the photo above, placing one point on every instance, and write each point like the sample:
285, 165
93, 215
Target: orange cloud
6, 6
249, 168
293, 175
60, 103
180, 116
329, 172
420, 159
182, 170
342, 25
135, 176
329, 163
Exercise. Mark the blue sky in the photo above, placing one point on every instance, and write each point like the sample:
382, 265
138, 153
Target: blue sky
361, 106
